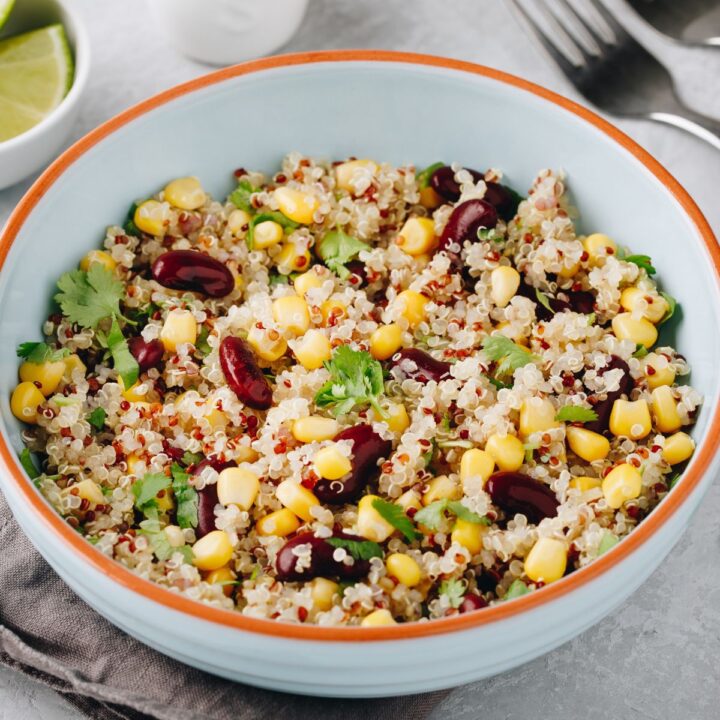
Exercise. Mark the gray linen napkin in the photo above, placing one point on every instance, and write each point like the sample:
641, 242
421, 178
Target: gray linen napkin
51, 635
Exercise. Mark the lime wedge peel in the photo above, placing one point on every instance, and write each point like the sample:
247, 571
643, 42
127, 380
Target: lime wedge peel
5, 7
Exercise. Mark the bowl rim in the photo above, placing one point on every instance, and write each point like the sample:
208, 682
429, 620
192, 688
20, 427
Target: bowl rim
150, 591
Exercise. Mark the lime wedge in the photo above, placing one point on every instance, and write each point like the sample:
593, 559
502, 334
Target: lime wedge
5, 7
36, 71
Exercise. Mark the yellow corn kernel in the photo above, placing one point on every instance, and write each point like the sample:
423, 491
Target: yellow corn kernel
654, 306
476, 463
179, 327
132, 394
297, 205
216, 418
658, 371
599, 246
330, 463
134, 462
583, 483
514, 333
504, 283
569, 271
313, 278
239, 222
587, 444
72, 363
622, 483
348, 173
417, 236
370, 523
429, 198
640, 331
24, 402
237, 486
222, 575
469, 535
266, 234
441, 488
630, 419
281, 523
47, 375
90, 491
99, 257
267, 344
385, 341
323, 593
152, 217
212, 551
296, 498
412, 306
166, 500
378, 618
404, 569
537, 415
664, 410
409, 499
313, 349
507, 451
678, 448
175, 535
397, 417
185, 193
332, 311
546, 561
292, 258
315, 428
291, 313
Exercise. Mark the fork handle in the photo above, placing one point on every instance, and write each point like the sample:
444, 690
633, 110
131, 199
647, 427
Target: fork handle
699, 125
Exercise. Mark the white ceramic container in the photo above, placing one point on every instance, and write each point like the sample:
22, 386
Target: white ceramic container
403, 108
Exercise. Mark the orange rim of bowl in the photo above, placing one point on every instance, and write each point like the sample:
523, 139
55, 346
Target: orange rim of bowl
234, 619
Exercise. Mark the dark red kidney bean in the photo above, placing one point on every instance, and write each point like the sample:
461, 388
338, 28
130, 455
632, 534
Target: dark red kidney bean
581, 301
147, 354
358, 273
368, 449
442, 181
425, 367
464, 222
514, 492
604, 407
193, 270
208, 497
504, 199
243, 374
321, 564
471, 602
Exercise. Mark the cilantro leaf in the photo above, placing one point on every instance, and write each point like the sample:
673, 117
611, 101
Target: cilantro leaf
498, 384
186, 498
356, 378
190, 458
86, 298
255, 573
516, 590
454, 590
146, 489
463, 513
160, 543
640, 352
277, 217
202, 347
396, 516
609, 540
672, 306
544, 300
28, 464
130, 227
97, 418
337, 249
123, 361
40, 352
423, 176
433, 514
359, 549
576, 413
642, 261
240, 197
509, 355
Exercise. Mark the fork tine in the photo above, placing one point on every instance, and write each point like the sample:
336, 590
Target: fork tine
597, 38
557, 55
567, 29
617, 29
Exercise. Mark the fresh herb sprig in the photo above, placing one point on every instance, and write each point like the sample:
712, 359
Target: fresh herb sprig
358, 549
395, 515
432, 515
576, 413
40, 352
454, 591
337, 249
424, 176
508, 355
642, 261
277, 217
186, 497
97, 418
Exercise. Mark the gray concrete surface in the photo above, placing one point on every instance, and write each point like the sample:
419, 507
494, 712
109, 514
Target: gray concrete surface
656, 657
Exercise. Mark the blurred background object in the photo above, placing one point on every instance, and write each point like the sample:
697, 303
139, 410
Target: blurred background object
692, 21
223, 32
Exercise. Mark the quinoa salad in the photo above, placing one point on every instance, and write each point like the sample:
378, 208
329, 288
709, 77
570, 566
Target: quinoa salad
355, 394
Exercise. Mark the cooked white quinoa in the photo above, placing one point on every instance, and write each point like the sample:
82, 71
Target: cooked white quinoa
183, 410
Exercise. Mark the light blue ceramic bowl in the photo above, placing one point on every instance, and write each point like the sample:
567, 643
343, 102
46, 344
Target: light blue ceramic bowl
403, 109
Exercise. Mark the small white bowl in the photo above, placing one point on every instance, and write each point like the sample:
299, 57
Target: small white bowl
25, 154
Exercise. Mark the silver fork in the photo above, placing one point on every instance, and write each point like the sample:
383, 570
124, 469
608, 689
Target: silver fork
622, 77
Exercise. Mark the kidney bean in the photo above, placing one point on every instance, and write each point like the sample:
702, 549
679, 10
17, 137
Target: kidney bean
514, 492
367, 449
504, 199
208, 497
604, 407
147, 354
193, 270
425, 368
443, 182
322, 563
471, 602
582, 301
464, 222
243, 374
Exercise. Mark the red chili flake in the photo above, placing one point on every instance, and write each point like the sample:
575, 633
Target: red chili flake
655, 449
287, 383
387, 467
252, 422
66, 432
554, 461
69, 333
610, 250
87, 441
568, 381
528, 238
584, 257
650, 370
302, 614
280, 448
544, 344
124, 405
576, 286
280, 178
301, 261
633, 511
464, 434
410, 512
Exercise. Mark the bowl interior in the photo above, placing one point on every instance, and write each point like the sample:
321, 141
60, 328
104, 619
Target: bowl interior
394, 111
